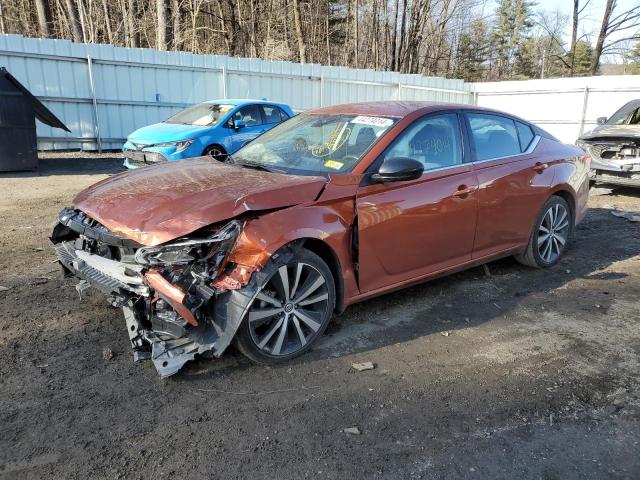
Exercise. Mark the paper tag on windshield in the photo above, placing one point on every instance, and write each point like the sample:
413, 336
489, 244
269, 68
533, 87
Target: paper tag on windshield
372, 121
333, 164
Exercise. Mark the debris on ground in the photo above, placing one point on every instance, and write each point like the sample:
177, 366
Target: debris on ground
352, 430
487, 272
361, 367
598, 191
446, 334
631, 216
4, 289
107, 353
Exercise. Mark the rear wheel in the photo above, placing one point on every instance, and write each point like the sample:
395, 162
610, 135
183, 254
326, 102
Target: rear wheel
215, 151
292, 305
550, 234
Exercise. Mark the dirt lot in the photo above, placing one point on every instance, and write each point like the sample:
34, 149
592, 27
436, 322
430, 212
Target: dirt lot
522, 374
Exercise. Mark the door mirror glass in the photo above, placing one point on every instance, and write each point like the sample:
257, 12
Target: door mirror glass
601, 120
398, 169
238, 124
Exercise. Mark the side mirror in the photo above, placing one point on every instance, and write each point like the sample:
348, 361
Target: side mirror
601, 120
238, 124
398, 169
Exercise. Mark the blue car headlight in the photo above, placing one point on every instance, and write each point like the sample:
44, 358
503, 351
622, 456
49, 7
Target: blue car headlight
180, 146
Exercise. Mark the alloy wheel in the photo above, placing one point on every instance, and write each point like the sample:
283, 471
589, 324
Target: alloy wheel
289, 310
216, 153
553, 232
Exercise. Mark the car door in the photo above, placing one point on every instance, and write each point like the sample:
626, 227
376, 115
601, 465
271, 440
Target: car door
513, 181
408, 230
252, 117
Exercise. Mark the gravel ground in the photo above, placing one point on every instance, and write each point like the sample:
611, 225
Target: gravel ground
524, 374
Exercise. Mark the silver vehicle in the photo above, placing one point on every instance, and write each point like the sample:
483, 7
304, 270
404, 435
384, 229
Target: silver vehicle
614, 147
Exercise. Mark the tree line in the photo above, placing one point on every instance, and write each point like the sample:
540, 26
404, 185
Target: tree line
470, 39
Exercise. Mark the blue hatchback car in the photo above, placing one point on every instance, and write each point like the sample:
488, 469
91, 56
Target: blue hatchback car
217, 128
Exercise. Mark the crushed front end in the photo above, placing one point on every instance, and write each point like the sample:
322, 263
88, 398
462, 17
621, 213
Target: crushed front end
178, 298
615, 160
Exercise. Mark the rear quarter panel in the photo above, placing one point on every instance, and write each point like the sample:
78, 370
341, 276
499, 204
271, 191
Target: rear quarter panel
571, 174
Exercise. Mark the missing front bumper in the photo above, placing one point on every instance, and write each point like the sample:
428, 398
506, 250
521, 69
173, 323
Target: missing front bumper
161, 326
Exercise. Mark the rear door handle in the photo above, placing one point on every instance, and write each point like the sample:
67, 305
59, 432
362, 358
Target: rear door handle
540, 167
463, 191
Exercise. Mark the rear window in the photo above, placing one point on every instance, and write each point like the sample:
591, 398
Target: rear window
494, 136
273, 114
526, 135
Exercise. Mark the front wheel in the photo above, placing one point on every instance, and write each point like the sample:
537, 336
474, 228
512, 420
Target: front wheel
292, 305
216, 152
550, 234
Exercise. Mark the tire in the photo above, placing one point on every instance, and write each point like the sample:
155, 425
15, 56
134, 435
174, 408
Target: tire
292, 328
550, 235
216, 152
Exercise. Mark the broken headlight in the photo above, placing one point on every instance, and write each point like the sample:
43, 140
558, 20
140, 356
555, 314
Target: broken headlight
211, 249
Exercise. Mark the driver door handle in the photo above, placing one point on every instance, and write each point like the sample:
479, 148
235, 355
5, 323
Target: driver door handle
463, 191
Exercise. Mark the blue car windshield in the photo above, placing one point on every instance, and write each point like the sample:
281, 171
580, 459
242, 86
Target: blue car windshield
202, 115
311, 144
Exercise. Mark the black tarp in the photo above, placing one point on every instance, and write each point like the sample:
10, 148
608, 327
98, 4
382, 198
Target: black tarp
18, 111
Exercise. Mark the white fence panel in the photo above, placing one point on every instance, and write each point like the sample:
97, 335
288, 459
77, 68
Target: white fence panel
102, 93
566, 107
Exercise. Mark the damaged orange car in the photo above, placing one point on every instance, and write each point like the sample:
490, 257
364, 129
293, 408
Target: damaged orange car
329, 208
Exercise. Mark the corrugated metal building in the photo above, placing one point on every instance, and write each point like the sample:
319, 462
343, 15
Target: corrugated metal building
18, 112
106, 92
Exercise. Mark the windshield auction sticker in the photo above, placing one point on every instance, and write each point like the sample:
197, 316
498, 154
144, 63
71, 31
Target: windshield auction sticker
372, 121
333, 164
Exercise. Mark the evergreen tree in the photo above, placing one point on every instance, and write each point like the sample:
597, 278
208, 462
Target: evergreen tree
473, 52
510, 33
634, 59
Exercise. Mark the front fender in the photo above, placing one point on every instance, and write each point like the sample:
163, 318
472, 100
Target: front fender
331, 223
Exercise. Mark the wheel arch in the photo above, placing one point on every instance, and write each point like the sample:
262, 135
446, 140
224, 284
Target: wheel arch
214, 144
330, 257
568, 195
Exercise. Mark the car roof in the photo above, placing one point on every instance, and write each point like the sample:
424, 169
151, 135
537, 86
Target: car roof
396, 108
242, 101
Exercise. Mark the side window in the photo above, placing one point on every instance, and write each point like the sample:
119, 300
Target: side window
494, 136
433, 140
526, 135
250, 114
272, 114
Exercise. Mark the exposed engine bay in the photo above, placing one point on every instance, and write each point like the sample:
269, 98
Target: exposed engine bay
614, 160
614, 147
179, 299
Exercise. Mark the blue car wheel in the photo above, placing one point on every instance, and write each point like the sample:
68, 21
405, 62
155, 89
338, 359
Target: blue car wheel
215, 151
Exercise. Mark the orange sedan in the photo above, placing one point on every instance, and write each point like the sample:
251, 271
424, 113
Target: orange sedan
331, 207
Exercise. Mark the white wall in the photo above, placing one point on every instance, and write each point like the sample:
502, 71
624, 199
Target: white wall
122, 89
565, 107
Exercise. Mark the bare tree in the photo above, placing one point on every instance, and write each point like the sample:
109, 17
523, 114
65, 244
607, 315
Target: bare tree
614, 22
43, 10
162, 25
74, 20
302, 48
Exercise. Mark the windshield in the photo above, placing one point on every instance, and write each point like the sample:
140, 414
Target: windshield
627, 115
315, 144
202, 115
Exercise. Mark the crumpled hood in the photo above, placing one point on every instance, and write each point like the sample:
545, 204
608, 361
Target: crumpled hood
630, 131
164, 132
163, 202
